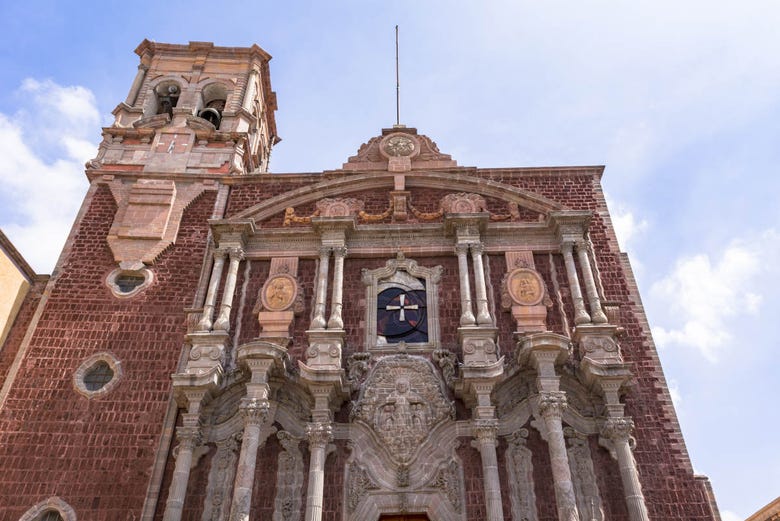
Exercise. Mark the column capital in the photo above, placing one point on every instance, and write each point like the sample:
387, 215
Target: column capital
189, 437
618, 429
255, 412
319, 433
485, 431
567, 245
552, 403
236, 253
220, 253
340, 251
461, 248
325, 251
477, 248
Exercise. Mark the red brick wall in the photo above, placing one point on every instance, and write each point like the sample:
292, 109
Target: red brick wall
19, 328
97, 454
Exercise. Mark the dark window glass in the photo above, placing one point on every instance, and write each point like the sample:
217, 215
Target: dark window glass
98, 376
51, 515
402, 315
127, 283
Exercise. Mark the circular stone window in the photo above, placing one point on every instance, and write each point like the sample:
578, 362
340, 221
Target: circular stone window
128, 283
97, 375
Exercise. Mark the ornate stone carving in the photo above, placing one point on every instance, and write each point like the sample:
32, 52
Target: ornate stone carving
617, 429
339, 207
463, 203
519, 464
447, 362
289, 479
357, 367
525, 287
447, 479
485, 430
220, 485
398, 145
552, 403
360, 481
279, 292
583, 477
254, 411
402, 402
319, 434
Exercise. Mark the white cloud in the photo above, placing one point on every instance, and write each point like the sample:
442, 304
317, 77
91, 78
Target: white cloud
627, 226
44, 146
728, 515
704, 293
674, 392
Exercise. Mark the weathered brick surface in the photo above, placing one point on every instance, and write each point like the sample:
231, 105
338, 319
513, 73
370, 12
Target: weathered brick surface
472, 477
97, 454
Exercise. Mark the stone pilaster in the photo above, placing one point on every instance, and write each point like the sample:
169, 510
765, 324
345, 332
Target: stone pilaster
485, 441
205, 322
223, 321
596, 313
467, 314
580, 315
336, 321
319, 321
618, 432
319, 434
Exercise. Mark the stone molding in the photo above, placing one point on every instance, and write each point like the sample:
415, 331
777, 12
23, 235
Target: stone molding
519, 465
78, 377
52, 503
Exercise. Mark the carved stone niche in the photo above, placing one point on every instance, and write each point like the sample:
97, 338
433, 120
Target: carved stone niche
524, 293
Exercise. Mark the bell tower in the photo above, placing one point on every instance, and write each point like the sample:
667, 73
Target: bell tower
194, 109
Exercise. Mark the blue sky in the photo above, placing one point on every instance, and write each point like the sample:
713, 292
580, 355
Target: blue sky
680, 101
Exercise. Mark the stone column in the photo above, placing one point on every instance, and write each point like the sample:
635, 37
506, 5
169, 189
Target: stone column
188, 435
255, 414
618, 431
580, 315
467, 314
318, 322
223, 321
485, 434
132, 96
336, 304
320, 434
249, 93
551, 407
596, 313
211, 296
483, 314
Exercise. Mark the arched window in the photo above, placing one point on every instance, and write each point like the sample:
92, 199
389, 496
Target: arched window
167, 96
214, 97
52, 509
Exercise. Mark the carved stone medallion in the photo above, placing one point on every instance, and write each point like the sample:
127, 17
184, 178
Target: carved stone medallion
525, 286
463, 203
402, 401
279, 292
398, 146
339, 207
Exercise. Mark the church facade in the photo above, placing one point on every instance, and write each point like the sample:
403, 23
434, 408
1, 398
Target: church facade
402, 338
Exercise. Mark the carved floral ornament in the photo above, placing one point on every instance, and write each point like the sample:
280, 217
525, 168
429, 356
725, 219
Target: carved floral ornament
454, 203
399, 145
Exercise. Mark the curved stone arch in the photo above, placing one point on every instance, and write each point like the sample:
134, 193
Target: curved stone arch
341, 186
53, 503
230, 88
150, 97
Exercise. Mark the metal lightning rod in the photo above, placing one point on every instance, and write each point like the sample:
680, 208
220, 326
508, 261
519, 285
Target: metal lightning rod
397, 83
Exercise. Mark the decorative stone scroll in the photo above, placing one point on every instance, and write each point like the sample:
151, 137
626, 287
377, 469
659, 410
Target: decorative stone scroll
519, 465
402, 401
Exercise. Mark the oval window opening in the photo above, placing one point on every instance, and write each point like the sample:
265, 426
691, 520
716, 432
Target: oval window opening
98, 376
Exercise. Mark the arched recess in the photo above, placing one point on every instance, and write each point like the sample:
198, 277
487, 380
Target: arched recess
345, 185
54, 503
